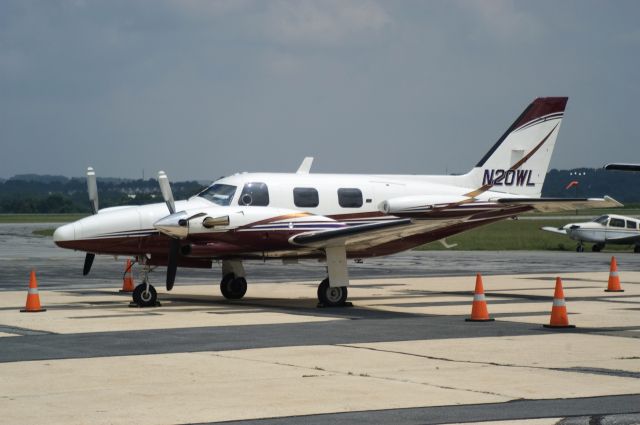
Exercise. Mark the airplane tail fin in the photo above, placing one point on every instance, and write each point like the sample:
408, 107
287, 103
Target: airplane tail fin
518, 162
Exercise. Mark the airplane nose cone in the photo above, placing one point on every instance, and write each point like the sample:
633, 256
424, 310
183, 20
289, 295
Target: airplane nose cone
64, 233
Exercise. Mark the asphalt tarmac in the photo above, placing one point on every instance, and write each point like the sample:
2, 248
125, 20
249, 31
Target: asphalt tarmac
403, 354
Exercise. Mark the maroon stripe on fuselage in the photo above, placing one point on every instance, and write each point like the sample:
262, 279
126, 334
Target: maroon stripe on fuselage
249, 242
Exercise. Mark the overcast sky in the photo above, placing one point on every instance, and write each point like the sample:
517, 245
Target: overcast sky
207, 88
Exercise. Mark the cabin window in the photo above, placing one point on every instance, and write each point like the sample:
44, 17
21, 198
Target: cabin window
350, 198
306, 197
631, 224
616, 222
255, 194
220, 194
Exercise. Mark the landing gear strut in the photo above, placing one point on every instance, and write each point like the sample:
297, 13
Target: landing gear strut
580, 248
145, 295
332, 297
232, 287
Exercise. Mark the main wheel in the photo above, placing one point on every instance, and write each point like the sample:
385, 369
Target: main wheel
331, 297
233, 288
145, 298
636, 248
580, 248
597, 247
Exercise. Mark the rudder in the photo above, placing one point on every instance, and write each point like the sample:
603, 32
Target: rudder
518, 162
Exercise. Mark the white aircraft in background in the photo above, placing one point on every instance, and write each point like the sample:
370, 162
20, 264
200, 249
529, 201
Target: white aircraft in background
606, 229
331, 217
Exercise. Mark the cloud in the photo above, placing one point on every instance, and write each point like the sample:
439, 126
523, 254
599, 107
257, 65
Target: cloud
323, 22
503, 19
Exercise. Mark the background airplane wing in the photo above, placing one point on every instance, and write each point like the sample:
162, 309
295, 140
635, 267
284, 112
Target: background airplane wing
368, 235
554, 230
561, 204
622, 167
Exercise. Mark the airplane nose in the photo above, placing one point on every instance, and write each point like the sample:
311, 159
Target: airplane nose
64, 233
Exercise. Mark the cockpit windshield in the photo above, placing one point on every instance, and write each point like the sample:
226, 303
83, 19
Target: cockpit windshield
602, 219
220, 194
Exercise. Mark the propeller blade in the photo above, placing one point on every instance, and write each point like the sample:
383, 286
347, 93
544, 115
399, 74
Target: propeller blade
172, 265
92, 188
165, 188
88, 262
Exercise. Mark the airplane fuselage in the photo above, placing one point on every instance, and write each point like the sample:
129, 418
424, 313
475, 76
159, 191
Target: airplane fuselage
264, 211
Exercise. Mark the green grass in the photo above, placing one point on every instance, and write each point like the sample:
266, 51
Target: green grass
511, 235
40, 218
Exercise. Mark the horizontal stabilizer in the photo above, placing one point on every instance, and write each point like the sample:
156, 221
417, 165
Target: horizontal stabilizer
561, 204
554, 230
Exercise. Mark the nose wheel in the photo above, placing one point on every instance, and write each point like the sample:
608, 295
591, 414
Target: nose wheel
145, 295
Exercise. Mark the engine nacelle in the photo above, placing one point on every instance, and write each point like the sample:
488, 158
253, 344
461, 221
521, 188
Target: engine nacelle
417, 204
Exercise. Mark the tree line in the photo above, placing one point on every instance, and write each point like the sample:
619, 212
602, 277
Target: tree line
59, 195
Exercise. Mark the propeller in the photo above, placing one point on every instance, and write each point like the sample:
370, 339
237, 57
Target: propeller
92, 188
174, 243
88, 262
165, 188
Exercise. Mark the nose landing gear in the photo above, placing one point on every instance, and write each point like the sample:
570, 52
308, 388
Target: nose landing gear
145, 295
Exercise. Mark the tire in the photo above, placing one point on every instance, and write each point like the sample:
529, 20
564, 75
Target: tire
144, 298
331, 297
596, 248
233, 288
636, 248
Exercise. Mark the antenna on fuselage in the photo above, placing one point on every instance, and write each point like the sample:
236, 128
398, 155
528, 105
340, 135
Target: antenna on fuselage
305, 167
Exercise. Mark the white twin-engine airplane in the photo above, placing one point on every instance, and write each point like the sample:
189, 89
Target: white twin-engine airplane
610, 229
332, 217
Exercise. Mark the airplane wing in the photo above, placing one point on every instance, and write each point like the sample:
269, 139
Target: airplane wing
561, 204
368, 235
554, 230
622, 167
624, 240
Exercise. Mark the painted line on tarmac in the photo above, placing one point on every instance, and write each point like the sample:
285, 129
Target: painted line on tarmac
606, 406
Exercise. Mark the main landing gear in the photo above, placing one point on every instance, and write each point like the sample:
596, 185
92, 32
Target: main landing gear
597, 247
332, 297
580, 248
232, 287
145, 295
233, 284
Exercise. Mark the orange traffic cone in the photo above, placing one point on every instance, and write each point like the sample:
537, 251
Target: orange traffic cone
614, 279
559, 317
127, 280
479, 312
33, 299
